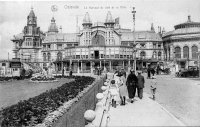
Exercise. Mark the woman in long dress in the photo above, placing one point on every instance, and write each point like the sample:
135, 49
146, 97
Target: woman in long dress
131, 85
123, 89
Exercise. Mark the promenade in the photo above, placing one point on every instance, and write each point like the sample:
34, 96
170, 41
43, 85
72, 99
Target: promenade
145, 112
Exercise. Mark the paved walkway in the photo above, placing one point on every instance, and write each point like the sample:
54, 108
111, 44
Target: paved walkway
145, 112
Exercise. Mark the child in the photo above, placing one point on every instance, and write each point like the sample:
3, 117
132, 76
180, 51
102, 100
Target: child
153, 86
114, 92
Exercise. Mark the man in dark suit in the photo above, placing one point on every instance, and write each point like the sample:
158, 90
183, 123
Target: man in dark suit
140, 85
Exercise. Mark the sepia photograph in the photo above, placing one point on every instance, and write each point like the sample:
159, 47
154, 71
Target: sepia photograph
99, 63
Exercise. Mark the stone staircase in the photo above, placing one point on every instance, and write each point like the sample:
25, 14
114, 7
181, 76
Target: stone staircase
35, 69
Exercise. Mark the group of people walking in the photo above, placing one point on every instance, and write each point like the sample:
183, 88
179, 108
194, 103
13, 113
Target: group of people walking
122, 86
127, 86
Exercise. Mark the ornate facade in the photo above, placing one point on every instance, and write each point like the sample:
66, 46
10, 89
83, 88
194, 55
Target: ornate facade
182, 45
102, 44
27, 45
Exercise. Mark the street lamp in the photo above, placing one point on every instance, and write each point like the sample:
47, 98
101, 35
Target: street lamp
134, 45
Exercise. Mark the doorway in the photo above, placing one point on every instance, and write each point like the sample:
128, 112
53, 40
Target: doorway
96, 54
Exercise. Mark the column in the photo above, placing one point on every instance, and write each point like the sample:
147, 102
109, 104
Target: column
78, 67
100, 64
129, 65
104, 68
81, 66
91, 67
123, 64
110, 66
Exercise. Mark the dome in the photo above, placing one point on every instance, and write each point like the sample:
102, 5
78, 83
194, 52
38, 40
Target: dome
87, 19
109, 18
53, 27
188, 24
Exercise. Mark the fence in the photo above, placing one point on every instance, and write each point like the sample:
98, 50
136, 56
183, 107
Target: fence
75, 116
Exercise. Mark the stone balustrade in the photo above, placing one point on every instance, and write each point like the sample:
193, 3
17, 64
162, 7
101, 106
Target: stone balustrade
99, 116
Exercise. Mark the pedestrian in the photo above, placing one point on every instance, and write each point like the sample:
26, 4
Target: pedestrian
149, 72
140, 85
123, 72
70, 73
153, 87
153, 71
114, 91
123, 89
131, 85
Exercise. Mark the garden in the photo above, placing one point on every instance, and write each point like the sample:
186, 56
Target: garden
34, 110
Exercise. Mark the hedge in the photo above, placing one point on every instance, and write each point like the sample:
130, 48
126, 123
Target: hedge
34, 110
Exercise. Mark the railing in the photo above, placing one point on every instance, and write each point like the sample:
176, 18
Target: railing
100, 116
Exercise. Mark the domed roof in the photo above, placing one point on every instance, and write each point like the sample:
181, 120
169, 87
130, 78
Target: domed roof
109, 18
186, 29
87, 19
187, 24
53, 27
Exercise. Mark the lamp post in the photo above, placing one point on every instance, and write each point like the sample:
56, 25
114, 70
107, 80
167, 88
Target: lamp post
134, 45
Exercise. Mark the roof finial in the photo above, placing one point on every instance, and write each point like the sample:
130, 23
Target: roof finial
152, 27
189, 18
31, 7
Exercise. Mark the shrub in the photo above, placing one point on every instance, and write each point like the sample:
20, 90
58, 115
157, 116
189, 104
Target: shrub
34, 110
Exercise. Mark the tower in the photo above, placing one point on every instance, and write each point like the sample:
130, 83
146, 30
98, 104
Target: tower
87, 24
53, 27
109, 23
31, 39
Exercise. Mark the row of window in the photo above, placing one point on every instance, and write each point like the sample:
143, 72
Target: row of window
185, 52
59, 46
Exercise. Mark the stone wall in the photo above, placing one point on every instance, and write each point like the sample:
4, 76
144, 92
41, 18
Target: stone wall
75, 115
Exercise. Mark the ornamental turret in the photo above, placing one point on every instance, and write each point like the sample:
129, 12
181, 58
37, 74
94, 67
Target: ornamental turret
109, 20
31, 18
53, 28
87, 23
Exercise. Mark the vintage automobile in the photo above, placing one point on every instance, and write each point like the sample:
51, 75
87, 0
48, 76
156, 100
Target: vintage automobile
192, 71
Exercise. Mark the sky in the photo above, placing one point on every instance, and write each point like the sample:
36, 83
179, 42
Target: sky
164, 13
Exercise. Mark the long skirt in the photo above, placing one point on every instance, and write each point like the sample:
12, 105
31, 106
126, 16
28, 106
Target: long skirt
131, 91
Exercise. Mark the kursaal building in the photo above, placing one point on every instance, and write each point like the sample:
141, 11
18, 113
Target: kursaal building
103, 44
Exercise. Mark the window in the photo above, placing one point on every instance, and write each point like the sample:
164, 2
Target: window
154, 45
59, 46
194, 52
44, 57
142, 55
49, 46
177, 52
116, 55
3, 64
159, 46
185, 52
154, 55
49, 56
159, 55
69, 45
59, 56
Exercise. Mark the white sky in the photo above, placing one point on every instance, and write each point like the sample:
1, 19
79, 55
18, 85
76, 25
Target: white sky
164, 13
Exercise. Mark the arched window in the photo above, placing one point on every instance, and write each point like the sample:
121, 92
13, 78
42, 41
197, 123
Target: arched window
98, 40
159, 55
177, 52
49, 56
185, 52
194, 52
59, 56
44, 57
142, 55
154, 55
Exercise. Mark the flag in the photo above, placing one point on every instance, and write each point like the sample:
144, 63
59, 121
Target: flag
117, 20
